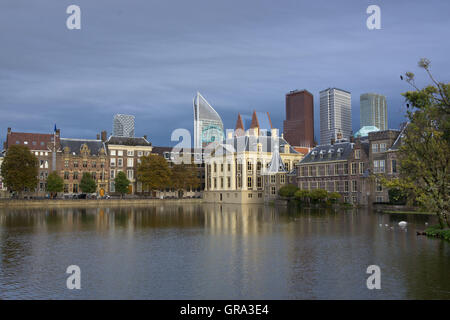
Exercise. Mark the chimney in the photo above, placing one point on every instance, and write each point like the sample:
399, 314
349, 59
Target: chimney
9, 130
103, 135
98, 136
145, 136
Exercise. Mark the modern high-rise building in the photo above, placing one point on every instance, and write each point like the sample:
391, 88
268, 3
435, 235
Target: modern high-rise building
298, 128
208, 126
123, 125
335, 115
373, 111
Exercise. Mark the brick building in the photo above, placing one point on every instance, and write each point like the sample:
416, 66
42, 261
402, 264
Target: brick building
44, 146
78, 156
124, 155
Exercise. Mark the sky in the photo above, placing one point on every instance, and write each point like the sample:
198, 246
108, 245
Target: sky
149, 58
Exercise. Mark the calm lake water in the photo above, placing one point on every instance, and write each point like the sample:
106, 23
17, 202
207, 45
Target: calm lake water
203, 251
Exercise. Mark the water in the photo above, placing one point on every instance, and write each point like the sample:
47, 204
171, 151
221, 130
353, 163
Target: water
198, 251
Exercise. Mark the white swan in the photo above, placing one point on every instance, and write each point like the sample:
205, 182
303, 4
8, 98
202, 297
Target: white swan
402, 223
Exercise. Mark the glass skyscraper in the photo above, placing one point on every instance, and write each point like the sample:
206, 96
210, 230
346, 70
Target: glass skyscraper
123, 125
373, 111
335, 115
208, 126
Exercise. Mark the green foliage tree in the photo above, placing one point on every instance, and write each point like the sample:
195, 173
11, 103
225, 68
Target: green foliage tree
424, 153
302, 195
318, 195
55, 183
20, 169
334, 197
121, 183
287, 191
397, 196
87, 184
154, 172
184, 176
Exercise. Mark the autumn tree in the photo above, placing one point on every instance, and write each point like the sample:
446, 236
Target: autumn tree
184, 176
424, 153
55, 183
153, 172
87, 183
20, 169
121, 183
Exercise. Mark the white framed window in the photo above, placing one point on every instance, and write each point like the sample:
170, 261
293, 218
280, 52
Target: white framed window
130, 174
130, 153
382, 147
130, 162
113, 162
140, 153
273, 190
113, 174
120, 153
120, 162
112, 152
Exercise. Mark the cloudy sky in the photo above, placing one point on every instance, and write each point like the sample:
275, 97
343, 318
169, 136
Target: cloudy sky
149, 58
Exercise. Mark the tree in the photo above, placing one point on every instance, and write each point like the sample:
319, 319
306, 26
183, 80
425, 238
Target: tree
334, 196
121, 183
20, 169
318, 195
424, 154
287, 191
302, 195
183, 176
55, 183
87, 184
397, 196
154, 172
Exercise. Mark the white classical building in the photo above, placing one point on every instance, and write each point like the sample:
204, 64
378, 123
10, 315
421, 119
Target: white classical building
237, 170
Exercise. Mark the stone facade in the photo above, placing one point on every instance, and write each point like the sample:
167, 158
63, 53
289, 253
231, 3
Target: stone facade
79, 156
235, 169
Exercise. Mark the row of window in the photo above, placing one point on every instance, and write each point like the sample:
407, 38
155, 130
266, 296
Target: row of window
332, 186
76, 175
130, 162
378, 147
332, 169
129, 153
84, 164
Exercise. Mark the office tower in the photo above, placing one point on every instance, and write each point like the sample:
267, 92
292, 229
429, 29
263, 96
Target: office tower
298, 128
335, 115
208, 126
123, 125
373, 111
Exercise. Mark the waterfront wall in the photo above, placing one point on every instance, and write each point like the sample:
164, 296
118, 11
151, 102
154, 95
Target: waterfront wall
93, 203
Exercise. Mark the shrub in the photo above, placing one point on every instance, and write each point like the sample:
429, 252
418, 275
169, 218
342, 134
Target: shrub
302, 195
397, 196
287, 191
436, 231
318, 195
334, 197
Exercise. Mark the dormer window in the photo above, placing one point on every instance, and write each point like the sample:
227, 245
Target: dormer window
322, 152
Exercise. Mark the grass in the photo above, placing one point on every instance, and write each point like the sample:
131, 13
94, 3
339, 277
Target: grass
407, 212
436, 231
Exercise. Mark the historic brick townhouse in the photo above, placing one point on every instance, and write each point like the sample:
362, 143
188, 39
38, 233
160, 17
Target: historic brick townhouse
79, 156
124, 155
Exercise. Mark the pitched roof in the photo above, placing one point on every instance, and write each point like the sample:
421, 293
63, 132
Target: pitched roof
128, 141
250, 143
239, 123
75, 145
329, 153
